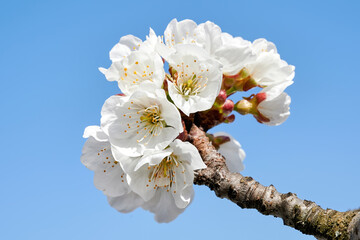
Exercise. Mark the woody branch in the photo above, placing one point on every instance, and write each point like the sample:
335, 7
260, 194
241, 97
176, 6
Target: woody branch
303, 215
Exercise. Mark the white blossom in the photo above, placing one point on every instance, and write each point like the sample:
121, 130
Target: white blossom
233, 53
273, 106
145, 120
135, 154
135, 62
233, 153
196, 78
109, 176
269, 69
139, 67
164, 179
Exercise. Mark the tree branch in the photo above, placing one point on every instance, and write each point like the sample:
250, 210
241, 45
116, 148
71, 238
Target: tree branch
303, 215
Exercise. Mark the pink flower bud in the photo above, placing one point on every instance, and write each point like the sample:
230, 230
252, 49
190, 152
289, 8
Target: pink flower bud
260, 97
228, 107
221, 98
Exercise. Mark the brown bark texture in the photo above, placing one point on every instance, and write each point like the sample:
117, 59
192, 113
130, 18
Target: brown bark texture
303, 215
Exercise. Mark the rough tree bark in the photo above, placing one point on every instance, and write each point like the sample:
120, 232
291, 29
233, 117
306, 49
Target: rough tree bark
303, 215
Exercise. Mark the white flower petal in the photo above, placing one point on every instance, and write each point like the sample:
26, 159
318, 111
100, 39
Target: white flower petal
163, 206
272, 91
113, 181
234, 58
269, 69
182, 190
112, 73
262, 45
126, 203
228, 39
233, 153
149, 157
109, 176
119, 52
131, 41
189, 153
208, 35
275, 109
179, 32
151, 42
96, 155
122, 49
95, 132
139, 180
164, 51
107, 116
92, 156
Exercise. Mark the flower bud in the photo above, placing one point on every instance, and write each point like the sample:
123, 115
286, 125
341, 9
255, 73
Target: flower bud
260, 97
221, 98
228, 107
243, 107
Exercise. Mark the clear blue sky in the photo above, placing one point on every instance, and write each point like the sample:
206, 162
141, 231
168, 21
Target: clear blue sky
51, 90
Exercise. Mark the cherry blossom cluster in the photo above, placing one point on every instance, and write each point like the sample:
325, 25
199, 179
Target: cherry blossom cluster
140, 153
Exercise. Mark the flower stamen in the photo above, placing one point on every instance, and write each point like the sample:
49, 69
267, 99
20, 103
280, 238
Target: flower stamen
163, 174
